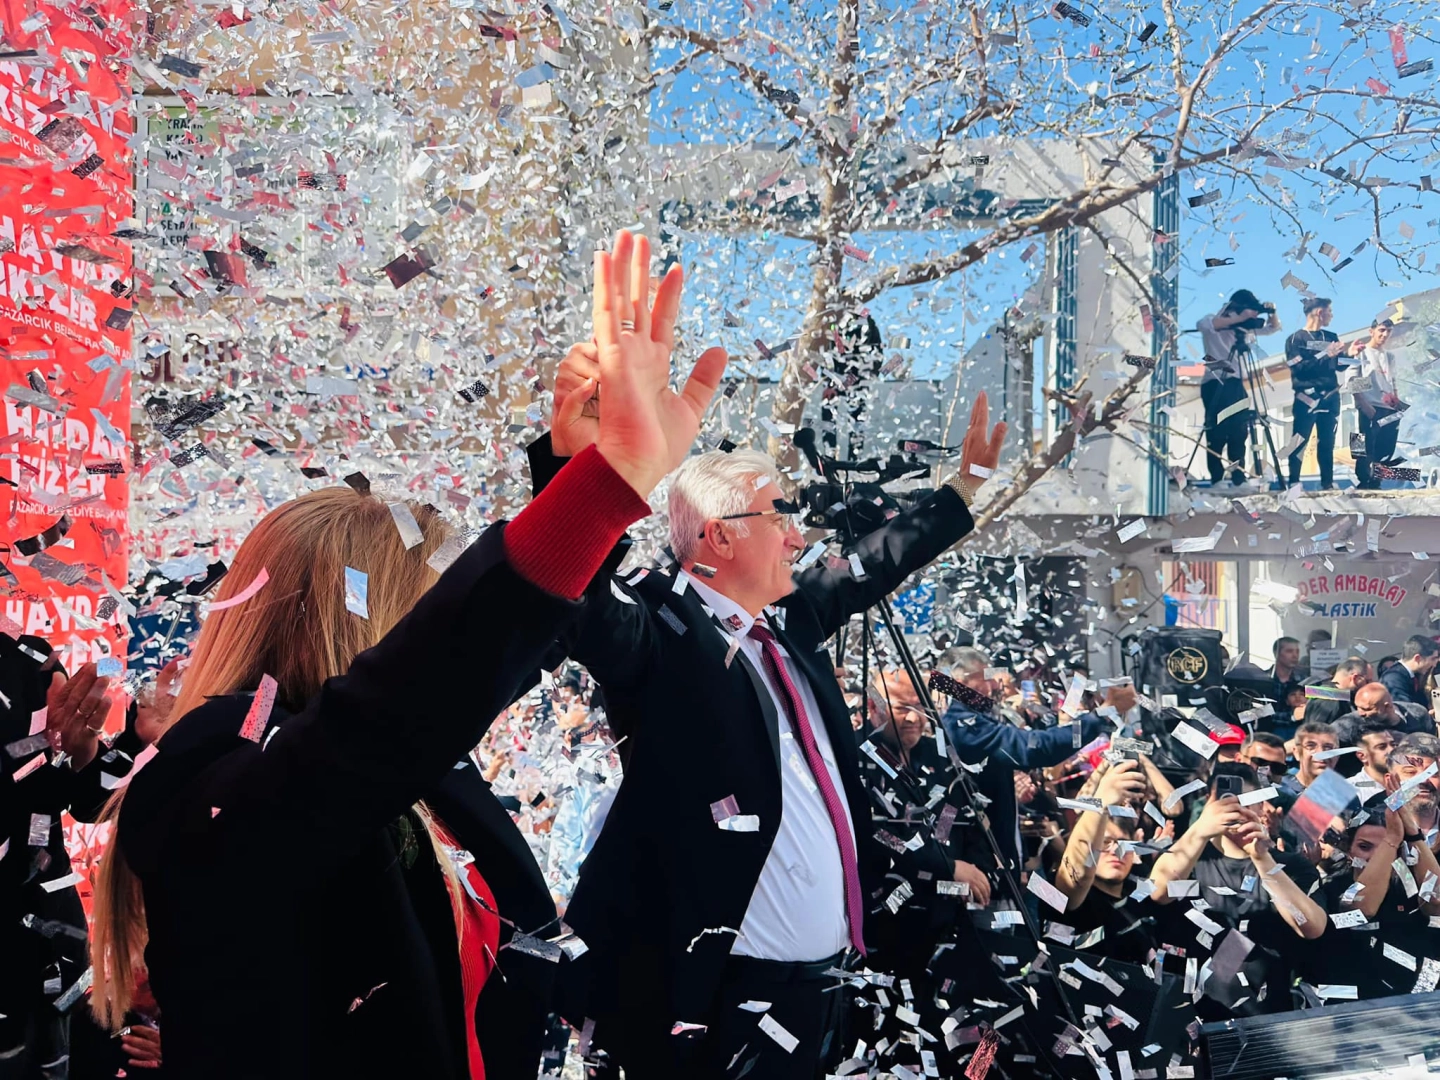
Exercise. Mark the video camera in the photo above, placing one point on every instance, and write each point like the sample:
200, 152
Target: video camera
856, 508
1257, 323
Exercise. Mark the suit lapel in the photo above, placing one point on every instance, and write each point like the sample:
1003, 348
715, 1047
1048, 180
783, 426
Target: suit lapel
767, 704
698, 612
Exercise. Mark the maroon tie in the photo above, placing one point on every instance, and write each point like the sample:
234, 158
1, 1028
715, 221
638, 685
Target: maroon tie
801, 723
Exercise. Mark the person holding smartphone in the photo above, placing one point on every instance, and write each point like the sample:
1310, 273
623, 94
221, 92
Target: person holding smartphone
1241, 879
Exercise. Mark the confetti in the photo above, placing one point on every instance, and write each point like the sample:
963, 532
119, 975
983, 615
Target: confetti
357, 592
247, 593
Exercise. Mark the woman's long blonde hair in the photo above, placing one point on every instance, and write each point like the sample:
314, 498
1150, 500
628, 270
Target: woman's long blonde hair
297, 630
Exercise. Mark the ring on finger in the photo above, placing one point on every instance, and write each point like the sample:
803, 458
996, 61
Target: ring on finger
627, 324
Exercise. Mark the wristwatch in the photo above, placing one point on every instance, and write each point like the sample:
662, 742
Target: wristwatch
1414, 838
961, 486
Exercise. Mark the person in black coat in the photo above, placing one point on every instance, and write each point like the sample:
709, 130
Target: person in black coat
42, 923
293, 890
1417, 660
1313, 353
705, 891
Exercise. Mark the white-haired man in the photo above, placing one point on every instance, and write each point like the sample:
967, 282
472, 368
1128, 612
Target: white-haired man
736, 865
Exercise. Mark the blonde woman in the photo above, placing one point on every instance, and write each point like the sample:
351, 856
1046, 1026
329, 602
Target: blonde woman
270, 866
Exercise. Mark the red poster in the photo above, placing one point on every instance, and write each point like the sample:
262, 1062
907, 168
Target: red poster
65, 279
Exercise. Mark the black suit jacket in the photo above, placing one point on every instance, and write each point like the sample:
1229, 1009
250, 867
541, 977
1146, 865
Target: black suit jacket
664, 888
1401, 684
299, 921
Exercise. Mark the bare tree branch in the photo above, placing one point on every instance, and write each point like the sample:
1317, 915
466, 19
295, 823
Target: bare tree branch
1080, 424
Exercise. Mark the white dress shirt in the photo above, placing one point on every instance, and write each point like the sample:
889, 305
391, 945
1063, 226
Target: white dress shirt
1376, 365
797, 911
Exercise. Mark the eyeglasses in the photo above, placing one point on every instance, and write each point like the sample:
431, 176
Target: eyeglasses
786, 519
1313, 747
1111, 845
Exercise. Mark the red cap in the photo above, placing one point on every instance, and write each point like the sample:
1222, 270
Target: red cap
1234, 736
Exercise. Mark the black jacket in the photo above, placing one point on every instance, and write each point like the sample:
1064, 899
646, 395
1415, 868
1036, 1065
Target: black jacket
299, 921
42, 934
1311, 370
920, 811
662, 878
1401, 684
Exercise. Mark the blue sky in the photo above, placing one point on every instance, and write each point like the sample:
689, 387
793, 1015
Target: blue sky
937, 319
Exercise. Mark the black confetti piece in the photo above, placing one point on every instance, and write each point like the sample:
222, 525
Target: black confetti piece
180, 66
33, 545
88, 166
475, 391
187, 457
1074, 14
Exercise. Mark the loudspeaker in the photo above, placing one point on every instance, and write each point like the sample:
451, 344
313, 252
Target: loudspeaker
1179, 660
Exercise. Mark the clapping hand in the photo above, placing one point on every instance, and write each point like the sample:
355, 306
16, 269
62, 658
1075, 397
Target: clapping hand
153, 706
575, 421
647, 428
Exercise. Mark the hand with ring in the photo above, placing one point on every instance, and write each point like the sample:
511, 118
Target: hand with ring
75, 712
645, 317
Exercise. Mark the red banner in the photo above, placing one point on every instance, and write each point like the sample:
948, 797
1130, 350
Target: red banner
65, 281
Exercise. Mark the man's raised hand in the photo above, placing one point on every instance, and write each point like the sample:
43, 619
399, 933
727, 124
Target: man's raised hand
646, 428
980, 452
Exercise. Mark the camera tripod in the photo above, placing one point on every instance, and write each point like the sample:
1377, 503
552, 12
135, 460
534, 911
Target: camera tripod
1259, 407
1242, 359
846, 533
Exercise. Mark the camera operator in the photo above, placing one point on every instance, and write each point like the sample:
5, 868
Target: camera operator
1378, 404
1312, 353
1223, 386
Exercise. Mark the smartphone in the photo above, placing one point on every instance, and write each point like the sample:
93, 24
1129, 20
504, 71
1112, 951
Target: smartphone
1229, 785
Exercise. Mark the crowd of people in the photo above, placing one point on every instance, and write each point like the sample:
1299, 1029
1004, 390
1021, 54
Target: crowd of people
1323, 371
528, 811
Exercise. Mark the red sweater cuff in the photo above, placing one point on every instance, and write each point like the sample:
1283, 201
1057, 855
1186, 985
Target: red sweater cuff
561, 539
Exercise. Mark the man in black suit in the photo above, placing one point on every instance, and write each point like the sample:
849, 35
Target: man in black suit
737, 866
1417, 659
